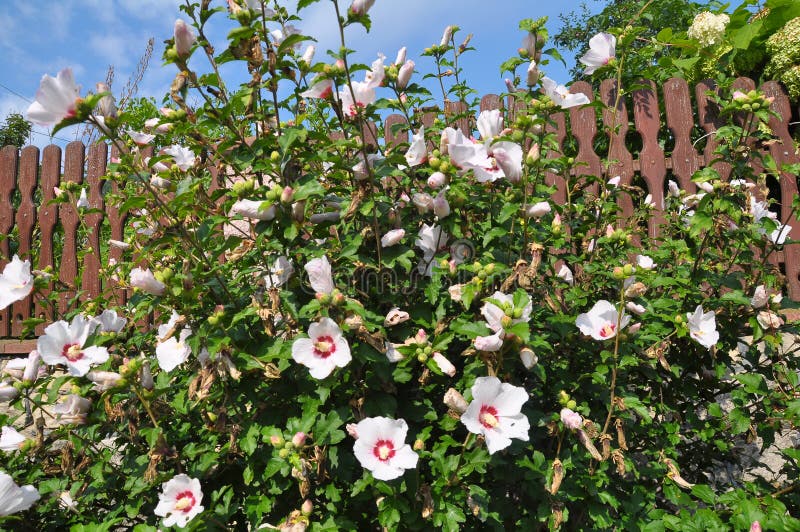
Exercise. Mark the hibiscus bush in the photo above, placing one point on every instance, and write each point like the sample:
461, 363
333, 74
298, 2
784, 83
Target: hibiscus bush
326, 332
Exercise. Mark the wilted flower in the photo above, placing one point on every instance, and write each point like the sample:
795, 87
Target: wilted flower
56, 99
280, 272
528, 357
489, 343
635, 308
769, 320
441, 208
63, 343
146, 281
760, 297
395, 317
381, 448
703, 327
601, 50
565, 273
601, 321
14, 498
495, 413
104, 380
16, 282
179, 500
323, 350
455, 401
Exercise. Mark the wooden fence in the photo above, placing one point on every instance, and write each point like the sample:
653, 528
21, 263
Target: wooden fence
27, 180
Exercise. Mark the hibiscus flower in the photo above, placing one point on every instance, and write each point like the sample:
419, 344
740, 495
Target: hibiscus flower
381, 447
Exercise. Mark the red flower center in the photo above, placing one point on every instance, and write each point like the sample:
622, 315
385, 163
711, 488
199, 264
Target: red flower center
384, 450
324, 346
607, 331
185, 501
488, 417
72, 352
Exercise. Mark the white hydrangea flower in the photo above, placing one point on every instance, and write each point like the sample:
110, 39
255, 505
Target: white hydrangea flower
708, 28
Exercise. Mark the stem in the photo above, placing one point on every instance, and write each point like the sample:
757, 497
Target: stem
612, 386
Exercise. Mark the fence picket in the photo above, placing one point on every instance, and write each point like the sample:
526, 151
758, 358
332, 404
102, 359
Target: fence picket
8, 178
685, 160
25, 218
96, 168
68, 267
48, 218
584, 129
651, 159
620, 159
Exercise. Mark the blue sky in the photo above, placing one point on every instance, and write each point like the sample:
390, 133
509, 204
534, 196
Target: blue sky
89, 35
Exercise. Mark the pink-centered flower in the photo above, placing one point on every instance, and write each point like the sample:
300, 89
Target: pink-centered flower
14, 498
179, 500
363, 93
381, 447
320, 88
495, 413
56, 99
602, 48
703, 327
16, 282
602, 321
64, 343
323, 350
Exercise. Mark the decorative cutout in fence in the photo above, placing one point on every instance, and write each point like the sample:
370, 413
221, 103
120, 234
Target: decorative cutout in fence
26, 182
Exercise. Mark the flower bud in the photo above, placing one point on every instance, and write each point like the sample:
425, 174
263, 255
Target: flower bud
444, 364
299, 439
307, 507
455, 401
532, 74
308, 55
528, 357
401, 56
276, 440
437, 180
184, 39
404, 74
446, 36
361, 7
286, 195
537, 210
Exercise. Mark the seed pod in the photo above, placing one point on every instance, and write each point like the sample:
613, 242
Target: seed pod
675, 475
619, 461
587, 443
558, 516
605, 441
558, 476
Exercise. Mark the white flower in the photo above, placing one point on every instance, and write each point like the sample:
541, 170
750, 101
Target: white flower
56, 99
645, 262
392, 354
601, 321
769, 320
635, 308
441, 208
363, 91
674, 191
254, 209
323, 350
601, 50
392, 237
703, 327
16, 282
104, 380
532, 74
708, 28
173, 352
614, 181
508, 156
280, 272
537, 210
319, 275
423, 201
63, 343
778, 236
760, 297
401, 56
382, 449
184, 157
83, 200
495, 413
146, 281
490, 124
179, 500
11, 440
491, 343
571, 420
14, 498
444, 364
494, 314
760, 210
109, 321
431, 239
565, 273
418, 150
561, 95
455, 292
141, 138
73, 410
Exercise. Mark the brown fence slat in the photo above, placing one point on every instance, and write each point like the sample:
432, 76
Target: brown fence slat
8, 178
584, 129
783, 152
685, 160
559, 128
48, 218
25, 220
620, 159
651, 159
73, 171
98, 155
708, 114
491, 102
459, 110
395, 131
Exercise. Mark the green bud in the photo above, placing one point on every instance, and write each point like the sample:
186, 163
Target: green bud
422, 358
275, 156
627, 270
284, 453
571, 404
